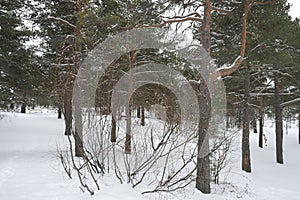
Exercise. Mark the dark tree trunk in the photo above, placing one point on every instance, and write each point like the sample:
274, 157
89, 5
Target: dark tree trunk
138, 112
59, 113
254, 123
261, 123
128, 131
203, 168
23, 108
278, 122
113, 133
132, 56
79, 152
142, 116
299, 123
68, 112
246, 161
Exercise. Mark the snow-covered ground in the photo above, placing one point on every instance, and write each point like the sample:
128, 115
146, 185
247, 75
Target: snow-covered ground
30, 168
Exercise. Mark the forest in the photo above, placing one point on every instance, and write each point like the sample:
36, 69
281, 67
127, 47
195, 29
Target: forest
155, 93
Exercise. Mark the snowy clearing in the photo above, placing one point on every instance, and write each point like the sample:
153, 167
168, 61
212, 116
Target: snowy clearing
30, 168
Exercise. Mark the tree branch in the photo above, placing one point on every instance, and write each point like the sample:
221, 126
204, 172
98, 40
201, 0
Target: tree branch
61, 20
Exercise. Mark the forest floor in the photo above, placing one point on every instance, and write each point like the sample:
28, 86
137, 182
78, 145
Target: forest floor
30, 167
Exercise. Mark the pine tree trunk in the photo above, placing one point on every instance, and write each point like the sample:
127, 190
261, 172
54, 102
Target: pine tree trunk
79, 151
278, 122
78, 131
113, 133
128, 131
132, 56
142, 116
261, 125
203, 168
203, 161
23, 108
138, 112
253, 122
246, 161
59, 113
68, 112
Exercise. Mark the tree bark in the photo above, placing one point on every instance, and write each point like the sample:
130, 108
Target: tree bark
138, 112
132, 56
203, 161
79, 152
246, 161
23, 108
261, 125
203, 168
68, 111
128, 131
278, 122
113, 133
142, 116
59, 113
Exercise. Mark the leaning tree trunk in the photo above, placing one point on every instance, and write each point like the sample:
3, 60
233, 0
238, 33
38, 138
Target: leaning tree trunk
278, 122
246, 161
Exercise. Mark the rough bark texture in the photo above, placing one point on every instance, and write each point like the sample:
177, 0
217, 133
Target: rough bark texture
79, 151
246, 161
203, 168
278, 122
78, 133
203, 162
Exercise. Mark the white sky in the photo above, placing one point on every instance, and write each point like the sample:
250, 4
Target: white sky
295, 8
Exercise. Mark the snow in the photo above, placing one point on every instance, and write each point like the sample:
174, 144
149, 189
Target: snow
30, 168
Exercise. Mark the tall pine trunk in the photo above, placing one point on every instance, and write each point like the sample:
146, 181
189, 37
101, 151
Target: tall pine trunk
113, 132
278, 121
68, 111
246, 161
132, 56
261, 125
203, 168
